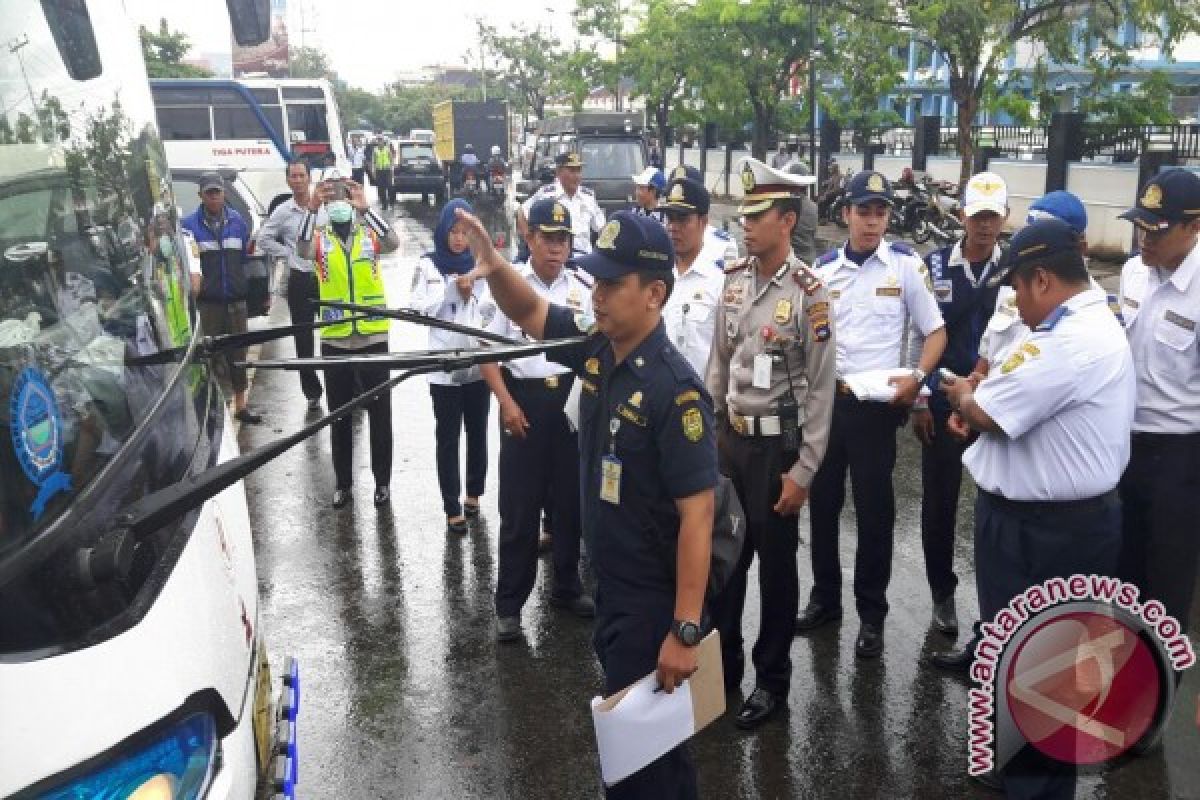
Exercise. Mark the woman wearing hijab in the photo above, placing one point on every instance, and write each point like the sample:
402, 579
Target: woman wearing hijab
345, 255
441, 288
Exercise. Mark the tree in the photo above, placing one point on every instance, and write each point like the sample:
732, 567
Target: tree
309, 62
975, 38
531, 60
164, 52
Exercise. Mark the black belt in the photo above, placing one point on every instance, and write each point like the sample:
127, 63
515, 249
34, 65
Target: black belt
1041, 507
551, 383
1166, 439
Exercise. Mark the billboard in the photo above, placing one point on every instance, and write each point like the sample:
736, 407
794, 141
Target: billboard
269, 59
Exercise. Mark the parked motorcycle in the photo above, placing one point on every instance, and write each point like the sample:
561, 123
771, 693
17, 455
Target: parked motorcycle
936, 218
831, 203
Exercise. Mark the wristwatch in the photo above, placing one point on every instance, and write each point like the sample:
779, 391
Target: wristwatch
918, 374
686, 631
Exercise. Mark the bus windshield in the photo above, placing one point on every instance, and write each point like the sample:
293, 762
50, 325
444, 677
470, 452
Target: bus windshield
95, 319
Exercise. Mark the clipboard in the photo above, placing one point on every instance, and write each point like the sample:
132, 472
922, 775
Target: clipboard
637, 726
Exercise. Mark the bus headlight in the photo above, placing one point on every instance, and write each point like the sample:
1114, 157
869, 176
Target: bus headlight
177, 764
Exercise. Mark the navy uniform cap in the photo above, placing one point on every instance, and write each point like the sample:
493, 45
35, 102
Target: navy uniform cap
1171, 196
685, 196
549, 216
1038, 241
568, 159
868, 186
629, 243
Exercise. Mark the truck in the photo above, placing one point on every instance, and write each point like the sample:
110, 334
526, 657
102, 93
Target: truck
612, 146
457, 123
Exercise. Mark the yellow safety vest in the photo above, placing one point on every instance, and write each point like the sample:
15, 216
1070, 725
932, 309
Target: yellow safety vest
383, 157
360, 282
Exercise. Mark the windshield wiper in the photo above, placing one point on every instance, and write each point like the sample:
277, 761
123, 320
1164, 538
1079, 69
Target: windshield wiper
111, 558
211, 345
407, 315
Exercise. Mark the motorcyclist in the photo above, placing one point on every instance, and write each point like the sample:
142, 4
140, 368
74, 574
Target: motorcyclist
469, 159
497, 159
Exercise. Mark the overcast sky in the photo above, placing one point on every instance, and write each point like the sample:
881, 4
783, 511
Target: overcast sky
369, 41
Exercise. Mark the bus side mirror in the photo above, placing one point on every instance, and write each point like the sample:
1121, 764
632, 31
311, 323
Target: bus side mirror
250, 21
71, 26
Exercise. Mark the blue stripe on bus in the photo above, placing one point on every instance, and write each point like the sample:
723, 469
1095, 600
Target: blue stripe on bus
276, 137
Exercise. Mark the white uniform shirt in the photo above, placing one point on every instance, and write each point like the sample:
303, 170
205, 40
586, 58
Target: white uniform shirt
1161, 310
1064, 398
874, 304
1005, 328
719, 247
358, 156
586, 215
691, 312
570, 290
437, 295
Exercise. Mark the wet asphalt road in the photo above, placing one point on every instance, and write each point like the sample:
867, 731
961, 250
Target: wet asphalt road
406, 694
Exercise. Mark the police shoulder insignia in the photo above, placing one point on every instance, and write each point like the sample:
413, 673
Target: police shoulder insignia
693, 424
902, 248
819, 322
807, 280
1012, 362
1031, 348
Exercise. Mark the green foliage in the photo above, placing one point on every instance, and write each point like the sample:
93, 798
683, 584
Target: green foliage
531, 65
1148, 104
309, 62
164, 52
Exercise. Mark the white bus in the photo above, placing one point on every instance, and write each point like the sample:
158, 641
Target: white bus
132, 659
255, 124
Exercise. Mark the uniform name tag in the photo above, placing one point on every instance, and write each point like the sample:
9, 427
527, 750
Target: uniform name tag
762, 371
610, 479
1181, 321
888, 291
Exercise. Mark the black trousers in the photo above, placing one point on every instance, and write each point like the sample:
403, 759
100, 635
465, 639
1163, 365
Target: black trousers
455, 408
343, 385
383, 188
1018, 545
627, 646
941, 481
1160, 507
357, 174
539, 471
755, 465
302, 294
862, 440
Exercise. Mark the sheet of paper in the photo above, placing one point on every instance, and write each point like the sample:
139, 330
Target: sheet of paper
641, 728
873, 384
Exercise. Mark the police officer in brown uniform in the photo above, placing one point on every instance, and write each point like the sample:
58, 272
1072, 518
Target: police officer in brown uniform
772, 379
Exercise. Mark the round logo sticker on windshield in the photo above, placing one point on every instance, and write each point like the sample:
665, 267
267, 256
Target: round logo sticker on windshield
37, 437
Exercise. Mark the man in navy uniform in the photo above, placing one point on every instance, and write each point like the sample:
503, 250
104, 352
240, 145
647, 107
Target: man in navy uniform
1160, 304
648, 463
877, 288
539, 454
959, 273
1054, 424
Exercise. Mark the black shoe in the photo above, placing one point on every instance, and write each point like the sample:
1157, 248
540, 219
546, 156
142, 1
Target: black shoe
456, 526
341, 497
508, 629
945, 617
580, 605
956, 661
382, 495
248, 417
760, 706
815, 615
870, 641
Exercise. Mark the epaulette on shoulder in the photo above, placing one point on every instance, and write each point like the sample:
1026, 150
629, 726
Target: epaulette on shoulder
679, 366
828, 258
902, 249
738, 265
807, 280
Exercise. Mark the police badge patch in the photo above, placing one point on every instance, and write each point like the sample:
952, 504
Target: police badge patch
693, 425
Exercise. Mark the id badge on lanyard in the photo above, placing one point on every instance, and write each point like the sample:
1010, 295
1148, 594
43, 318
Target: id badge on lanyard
610, 467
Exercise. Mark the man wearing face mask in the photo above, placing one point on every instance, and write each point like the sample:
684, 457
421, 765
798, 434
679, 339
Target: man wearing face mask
345, 255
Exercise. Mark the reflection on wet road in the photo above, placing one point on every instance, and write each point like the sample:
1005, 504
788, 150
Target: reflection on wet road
407, 695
